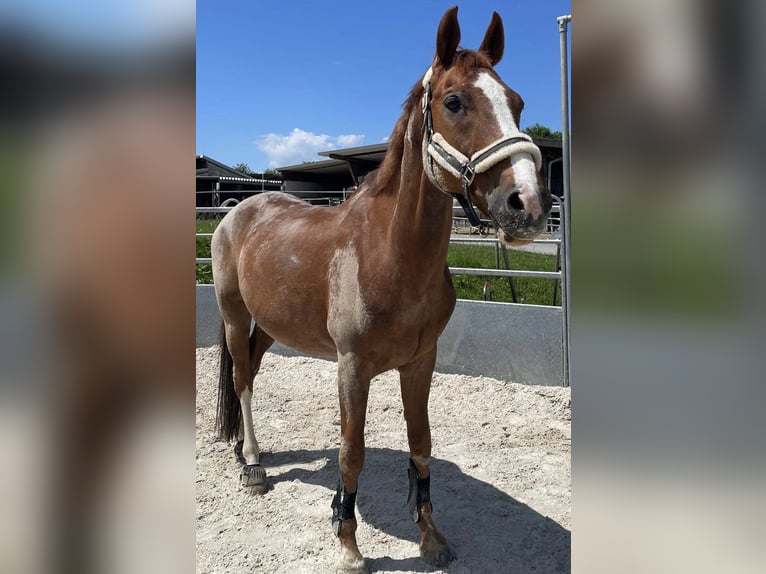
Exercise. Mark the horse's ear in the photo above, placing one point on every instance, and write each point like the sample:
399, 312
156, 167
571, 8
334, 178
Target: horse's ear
448, 37
494, 40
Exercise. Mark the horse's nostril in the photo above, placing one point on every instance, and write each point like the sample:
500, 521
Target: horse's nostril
515, 202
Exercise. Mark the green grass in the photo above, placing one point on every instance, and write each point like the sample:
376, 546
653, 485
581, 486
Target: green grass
206, 225
534, 291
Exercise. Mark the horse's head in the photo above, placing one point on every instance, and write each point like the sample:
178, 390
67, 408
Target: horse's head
473, 147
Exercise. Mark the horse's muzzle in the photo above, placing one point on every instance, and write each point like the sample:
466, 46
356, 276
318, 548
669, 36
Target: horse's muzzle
521, 212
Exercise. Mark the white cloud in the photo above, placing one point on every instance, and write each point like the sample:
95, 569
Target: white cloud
299, 146
349, 140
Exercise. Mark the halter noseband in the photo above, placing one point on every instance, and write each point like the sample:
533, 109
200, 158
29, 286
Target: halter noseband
437, 149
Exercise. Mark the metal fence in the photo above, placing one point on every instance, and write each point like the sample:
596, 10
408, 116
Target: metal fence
554, 222
313, 197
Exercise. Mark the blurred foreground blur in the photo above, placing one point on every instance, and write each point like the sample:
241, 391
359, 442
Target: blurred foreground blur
667, 288
96, 288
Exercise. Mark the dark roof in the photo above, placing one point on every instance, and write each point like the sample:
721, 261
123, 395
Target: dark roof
545, 142
325, 167
209, 168
375, 153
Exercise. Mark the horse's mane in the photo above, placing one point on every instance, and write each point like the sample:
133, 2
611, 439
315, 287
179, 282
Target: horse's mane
378, 180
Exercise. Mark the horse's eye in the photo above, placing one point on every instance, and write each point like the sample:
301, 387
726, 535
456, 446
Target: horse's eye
453, 103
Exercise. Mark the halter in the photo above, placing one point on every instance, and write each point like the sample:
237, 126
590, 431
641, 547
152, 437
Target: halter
436, 148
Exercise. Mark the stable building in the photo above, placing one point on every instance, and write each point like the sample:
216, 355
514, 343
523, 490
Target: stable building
219, 185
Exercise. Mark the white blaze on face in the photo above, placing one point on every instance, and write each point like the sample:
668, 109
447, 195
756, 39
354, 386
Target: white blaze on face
524, 171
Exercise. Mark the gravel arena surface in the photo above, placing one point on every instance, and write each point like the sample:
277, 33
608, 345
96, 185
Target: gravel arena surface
500, 473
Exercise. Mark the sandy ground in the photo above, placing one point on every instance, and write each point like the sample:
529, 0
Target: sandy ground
500, 476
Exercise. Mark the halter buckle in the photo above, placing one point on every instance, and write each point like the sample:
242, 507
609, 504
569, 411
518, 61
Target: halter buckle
468, 174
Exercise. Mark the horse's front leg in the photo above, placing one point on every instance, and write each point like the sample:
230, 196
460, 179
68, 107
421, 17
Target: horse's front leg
415, 380
353, 390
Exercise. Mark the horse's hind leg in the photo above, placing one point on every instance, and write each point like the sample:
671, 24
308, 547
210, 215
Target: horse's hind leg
236, 388
259, 344
353, 390
253, 476
415, 380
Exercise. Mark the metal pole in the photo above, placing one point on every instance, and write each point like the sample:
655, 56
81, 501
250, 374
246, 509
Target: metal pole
504, 249
563, 22
556, 283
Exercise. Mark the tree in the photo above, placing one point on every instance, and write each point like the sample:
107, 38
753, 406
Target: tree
244, 168
542, 132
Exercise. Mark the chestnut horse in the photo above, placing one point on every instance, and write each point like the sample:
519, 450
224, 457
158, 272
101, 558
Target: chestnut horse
367, 281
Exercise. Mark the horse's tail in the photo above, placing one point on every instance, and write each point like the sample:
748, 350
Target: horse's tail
229, 410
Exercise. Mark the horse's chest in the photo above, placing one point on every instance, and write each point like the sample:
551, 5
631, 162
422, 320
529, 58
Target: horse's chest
372, 307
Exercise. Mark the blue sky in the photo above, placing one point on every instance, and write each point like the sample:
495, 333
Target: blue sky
279, 81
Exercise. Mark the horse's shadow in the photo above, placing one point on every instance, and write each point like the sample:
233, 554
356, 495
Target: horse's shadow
489, 530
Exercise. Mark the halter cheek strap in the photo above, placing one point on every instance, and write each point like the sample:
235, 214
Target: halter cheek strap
437, 149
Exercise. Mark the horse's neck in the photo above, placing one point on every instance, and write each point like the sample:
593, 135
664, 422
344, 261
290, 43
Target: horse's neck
422, 215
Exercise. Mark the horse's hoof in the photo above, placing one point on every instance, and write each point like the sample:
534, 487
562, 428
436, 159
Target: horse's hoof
439, 557
253, 479
238, 452
352, 567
